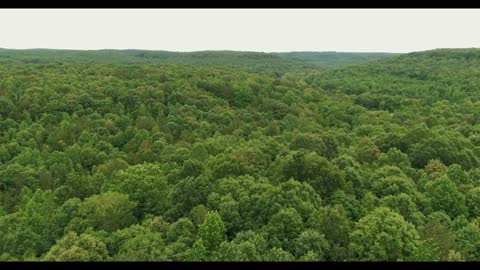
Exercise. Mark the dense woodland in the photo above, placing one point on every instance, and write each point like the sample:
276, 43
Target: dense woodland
236, 158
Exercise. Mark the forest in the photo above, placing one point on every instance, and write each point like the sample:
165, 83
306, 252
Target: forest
239, 156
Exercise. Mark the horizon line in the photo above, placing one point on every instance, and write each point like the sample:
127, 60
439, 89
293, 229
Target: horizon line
208, 50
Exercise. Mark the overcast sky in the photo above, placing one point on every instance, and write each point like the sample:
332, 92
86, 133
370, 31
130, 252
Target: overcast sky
245, 30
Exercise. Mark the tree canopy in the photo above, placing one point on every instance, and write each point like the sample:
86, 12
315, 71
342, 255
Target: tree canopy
237, 156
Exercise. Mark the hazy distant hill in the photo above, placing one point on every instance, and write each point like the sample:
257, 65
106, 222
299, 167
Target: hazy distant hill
235, 58
265, 63
334, 59
132, 56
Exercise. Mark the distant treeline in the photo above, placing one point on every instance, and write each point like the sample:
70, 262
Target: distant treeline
327, 59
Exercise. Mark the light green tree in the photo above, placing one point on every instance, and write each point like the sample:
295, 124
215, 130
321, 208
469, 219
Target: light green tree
212, 231
78, 248
383, 235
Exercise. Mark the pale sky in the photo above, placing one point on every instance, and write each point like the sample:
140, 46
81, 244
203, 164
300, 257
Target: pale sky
268, 30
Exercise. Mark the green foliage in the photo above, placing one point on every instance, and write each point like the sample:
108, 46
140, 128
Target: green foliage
325, 177
144, 184
237, 252
78, 248
278, 255
365, 151
435, 168
468, 238
439, 235
239, 156
30, 230
446, 197
311, 241
283, 228
473, 202
109, 211
383, 235
149, 246
335, 226
425, 252
183, 231
198, 252
212, 231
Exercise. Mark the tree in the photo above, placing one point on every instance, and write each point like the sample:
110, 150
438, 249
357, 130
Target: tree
229, 210
425, 251
283, 228
308, 142
198, 214
333, 223
183, 231
468, 238
198, 252
188, 193
237, 252
455, 256
311, 241
435, 168
458, 175
108, 211
404, 204
310, 257
349, 202
278, 255
473, 202
212, 231
144, 184
30, 230
393, 185
446, 197
300, 196
323, 176
383, 235
78, 248
149, 246
199, 152
394, 157
365, 151
439, 235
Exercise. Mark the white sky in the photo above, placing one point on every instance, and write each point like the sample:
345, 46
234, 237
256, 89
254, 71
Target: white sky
386, 30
